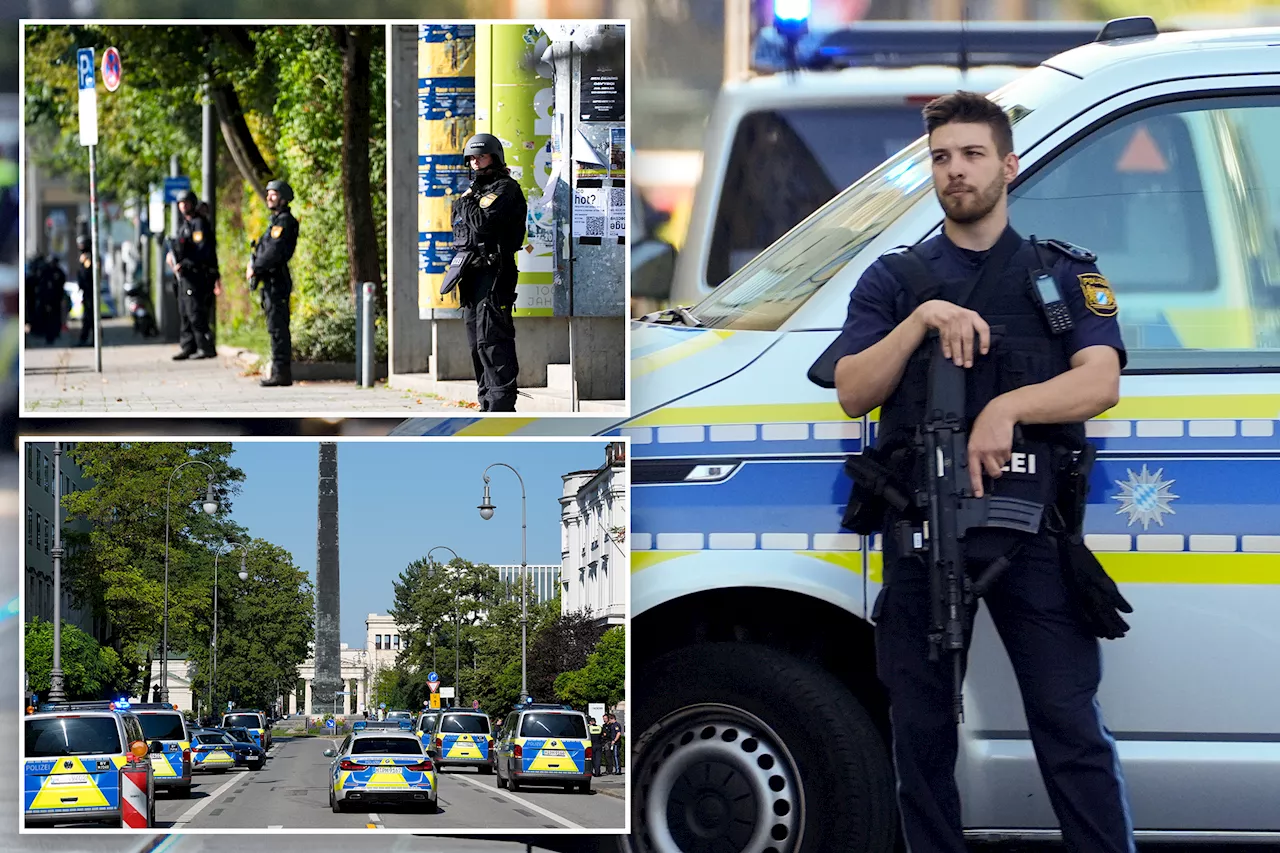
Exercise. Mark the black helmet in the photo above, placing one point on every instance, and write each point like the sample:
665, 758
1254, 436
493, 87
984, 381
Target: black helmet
483, 143
190, 198
281, 187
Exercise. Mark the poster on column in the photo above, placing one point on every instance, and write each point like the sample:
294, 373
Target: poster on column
590, 211
446, 107
602, 92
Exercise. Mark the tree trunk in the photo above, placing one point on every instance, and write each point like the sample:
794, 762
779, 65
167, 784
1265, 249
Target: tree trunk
356, 44
235, 132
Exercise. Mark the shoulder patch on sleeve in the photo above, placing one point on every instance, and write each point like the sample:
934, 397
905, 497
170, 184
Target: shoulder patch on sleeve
276, 231
488, 199
1098, 295
1070, 250
198, 236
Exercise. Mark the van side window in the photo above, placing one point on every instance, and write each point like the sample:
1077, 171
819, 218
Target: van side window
1181, 203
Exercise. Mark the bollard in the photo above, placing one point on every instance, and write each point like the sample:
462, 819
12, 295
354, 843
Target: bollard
367, 336
135, 811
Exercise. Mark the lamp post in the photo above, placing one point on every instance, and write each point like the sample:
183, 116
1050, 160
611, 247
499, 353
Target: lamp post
244, 576
486, 512
457, 630
56, 693
210, 507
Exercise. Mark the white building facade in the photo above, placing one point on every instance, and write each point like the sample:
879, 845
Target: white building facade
594, 522
360, 668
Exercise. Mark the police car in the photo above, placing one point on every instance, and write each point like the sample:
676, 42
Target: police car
544, 744
254, 721
779, 145
426, 725
163, 724
1155, 152
213, 752
381, 766
73, 753
463, 739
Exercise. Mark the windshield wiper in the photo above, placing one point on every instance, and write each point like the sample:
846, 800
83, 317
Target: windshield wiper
671, 316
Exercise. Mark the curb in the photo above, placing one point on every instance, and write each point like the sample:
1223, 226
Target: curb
319, 371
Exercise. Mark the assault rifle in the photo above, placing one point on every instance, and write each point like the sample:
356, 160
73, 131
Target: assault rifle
936, 519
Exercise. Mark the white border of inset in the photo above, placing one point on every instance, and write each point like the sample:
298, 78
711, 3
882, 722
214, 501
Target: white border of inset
628, 396
43, 440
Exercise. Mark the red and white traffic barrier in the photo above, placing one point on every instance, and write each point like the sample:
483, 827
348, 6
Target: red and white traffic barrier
135, 812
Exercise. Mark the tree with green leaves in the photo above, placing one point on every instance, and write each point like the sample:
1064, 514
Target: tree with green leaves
264, 626
561, 644
304, 103
603, 678
117, 565
90, 671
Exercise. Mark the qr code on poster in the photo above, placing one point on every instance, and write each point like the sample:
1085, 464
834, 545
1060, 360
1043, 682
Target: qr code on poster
594, 227
617, 200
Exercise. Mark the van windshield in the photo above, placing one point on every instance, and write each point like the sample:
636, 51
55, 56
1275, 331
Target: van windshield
162, 726
773, 286
786, 163
248, 721
56, 736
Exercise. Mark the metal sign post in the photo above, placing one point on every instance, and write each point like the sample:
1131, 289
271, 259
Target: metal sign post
89, 137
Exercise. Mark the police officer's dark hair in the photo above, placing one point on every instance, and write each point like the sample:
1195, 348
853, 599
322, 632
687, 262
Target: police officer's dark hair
970, 108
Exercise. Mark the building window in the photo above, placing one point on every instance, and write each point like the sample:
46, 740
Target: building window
395, 641
377, 641
31, 526
48, 536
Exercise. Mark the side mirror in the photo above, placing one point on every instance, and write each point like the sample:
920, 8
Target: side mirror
156, 746
653, 264
329, 753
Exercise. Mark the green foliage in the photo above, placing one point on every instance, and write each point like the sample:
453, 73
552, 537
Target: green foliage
264, 624
289, 82
603, 678
90, 671
388, 687
561, 644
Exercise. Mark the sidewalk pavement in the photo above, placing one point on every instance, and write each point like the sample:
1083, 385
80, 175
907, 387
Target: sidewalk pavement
614, 786
139, 376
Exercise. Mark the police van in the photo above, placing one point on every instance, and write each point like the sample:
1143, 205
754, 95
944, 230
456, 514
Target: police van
780, 143
164, 724
73, 754
751, 605
254, 721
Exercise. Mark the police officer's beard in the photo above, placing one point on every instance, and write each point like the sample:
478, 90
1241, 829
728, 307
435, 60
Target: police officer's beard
967, 208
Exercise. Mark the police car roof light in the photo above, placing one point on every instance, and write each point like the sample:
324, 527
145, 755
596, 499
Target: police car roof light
102, 705
906, 44
791, 17
1123, 28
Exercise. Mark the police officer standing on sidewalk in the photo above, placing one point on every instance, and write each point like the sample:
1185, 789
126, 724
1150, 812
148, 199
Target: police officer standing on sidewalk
489, 226
1055, 364
84, 278
269, 269
194, 261
597, 744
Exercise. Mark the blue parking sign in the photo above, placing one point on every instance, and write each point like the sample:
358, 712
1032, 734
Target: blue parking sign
84, 67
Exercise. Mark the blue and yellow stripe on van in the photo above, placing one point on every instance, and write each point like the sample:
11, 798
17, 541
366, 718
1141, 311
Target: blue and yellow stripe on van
72, 786
168, 765
463, 747
553, 756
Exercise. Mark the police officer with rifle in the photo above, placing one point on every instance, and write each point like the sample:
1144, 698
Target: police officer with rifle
986, 352
268, 269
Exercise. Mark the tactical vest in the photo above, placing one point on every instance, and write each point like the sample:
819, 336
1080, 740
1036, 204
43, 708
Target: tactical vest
1025, 353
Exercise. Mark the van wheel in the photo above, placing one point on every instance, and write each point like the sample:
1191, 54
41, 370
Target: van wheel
502, 783
809, 775
513, 784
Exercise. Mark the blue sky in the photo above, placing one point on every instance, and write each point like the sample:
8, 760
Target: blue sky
398, 499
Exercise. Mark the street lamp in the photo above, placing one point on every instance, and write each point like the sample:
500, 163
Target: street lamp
486, 512
56, 693
210, 507
244, 576
457, 631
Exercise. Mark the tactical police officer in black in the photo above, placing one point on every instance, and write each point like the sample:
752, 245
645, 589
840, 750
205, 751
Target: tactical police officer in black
269, 269
489, 226
194, 261
84, 278
1036, 369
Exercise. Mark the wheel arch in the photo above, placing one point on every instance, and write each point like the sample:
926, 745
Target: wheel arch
809, 628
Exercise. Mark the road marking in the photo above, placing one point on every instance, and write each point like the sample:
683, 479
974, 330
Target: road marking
190, 813
276, 826
568, 824
373, 818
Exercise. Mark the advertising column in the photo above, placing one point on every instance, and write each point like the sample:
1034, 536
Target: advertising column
446, 119
523, 108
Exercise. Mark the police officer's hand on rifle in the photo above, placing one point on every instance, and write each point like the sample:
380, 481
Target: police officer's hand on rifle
957, 328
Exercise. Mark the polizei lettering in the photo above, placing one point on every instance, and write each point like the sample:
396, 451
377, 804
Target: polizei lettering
1020, 463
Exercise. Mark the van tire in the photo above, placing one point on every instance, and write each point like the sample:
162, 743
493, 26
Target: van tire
826, 742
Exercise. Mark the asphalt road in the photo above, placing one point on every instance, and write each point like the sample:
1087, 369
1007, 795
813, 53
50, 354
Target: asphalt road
291, 793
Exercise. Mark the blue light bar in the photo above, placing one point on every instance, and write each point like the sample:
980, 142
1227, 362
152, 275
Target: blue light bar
404, 724
791, 17
904, 44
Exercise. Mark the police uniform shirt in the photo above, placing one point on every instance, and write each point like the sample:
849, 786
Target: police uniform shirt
277, 245
84, 275
195, 243
879, 303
